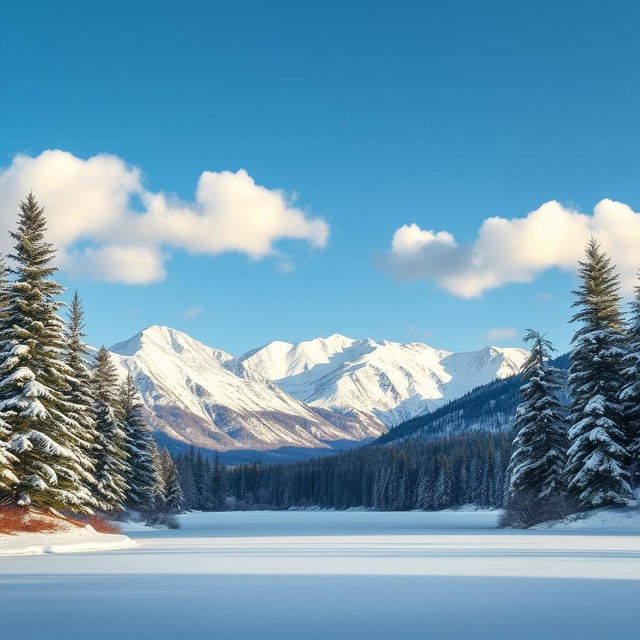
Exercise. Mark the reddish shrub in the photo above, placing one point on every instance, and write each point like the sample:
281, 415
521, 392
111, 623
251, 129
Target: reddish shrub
14, 520
103, 526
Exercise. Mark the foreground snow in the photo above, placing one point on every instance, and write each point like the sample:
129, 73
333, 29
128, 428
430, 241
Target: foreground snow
618, 520
71, 539
327, 574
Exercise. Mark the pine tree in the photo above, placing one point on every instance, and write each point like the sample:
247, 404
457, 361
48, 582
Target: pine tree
44, 434
187, 481
80, 391
8, 478
216, 500
173, 497
539, 447
442, 489
111, 465
597, 459
630, 394
159, 488
199, 478
142, 476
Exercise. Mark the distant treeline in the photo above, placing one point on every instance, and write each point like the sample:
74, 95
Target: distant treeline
202, 480
411, 475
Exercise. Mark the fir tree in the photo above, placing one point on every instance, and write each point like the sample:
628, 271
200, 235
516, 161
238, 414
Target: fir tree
597, 458
442, 489
111, 466
142, 476
215, 481
80, 391
187, 481
173, 497
50, 468
8, 479
539, 447
159, 488
630, 394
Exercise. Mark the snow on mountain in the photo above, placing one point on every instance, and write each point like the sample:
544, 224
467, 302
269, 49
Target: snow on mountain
389, 382
320, 394
203, 396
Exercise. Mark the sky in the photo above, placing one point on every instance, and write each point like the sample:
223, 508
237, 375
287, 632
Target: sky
257, 171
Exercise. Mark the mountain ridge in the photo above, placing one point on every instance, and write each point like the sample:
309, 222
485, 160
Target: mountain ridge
388, 381
336, 392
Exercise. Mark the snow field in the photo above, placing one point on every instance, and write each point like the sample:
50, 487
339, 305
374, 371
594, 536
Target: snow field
330, 574
72, 540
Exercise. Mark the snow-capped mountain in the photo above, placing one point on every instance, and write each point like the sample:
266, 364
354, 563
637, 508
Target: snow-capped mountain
389, 382
320, 394
203, 396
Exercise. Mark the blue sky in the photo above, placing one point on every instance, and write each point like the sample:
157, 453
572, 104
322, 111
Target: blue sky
374, 114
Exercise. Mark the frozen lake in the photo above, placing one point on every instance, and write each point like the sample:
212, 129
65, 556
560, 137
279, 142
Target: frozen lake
333, 575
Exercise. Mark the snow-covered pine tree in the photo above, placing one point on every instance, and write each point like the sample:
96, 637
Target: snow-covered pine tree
597, 459
173, 497
111, 466
199, 477
34, 377
187, 481
538, 460
630, 394
80, 391
8, 478
442, 488
142, 475
215, 495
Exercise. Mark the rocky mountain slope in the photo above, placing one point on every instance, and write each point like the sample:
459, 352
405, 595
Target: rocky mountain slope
296, 399
203, 396
386, 382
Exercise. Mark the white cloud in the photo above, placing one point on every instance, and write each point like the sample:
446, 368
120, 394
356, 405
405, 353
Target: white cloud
517, 249
92, 202
127, 264
192, 312
499, 333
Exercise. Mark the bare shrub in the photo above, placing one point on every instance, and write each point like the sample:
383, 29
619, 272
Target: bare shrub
524, 511
162, 519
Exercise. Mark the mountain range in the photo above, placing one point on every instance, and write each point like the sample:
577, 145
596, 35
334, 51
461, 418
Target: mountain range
288, 401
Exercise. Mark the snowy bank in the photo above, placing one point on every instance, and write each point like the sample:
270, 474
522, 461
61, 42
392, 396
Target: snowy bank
68, 539
605, 520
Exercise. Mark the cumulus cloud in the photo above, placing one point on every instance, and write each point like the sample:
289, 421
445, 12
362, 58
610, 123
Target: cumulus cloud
516, 249
113, 263
500, 333
111, 227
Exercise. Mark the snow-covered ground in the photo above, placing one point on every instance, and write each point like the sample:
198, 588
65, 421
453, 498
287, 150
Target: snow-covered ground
618, 520
328, 574
70, 539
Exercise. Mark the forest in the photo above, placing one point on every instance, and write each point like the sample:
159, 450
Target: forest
560, 437
73, 436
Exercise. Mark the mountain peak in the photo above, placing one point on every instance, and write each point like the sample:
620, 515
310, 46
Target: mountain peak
337, 337
155, 336
305, 394
388, 381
